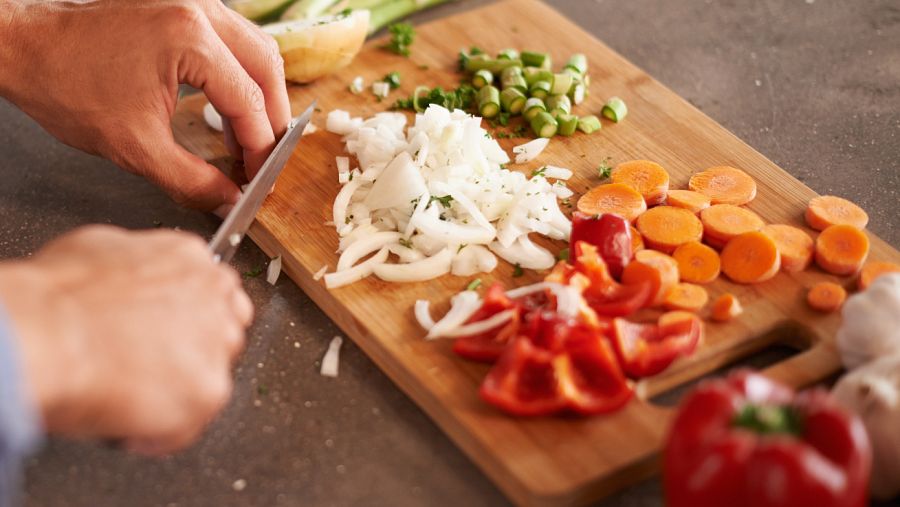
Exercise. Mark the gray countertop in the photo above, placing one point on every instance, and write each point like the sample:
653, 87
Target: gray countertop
812, 84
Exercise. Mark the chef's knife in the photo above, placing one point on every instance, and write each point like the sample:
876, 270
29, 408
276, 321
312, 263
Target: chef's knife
225, 243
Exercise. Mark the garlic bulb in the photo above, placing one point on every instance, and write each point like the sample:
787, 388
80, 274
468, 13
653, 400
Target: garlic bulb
871, 325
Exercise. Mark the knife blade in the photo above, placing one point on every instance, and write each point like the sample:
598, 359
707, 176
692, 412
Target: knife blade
226, 240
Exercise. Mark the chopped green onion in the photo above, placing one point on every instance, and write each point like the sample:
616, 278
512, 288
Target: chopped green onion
482, 78
589, 124
508, 54
513, 100
578, 63
392, 79
478, 62
488, 101
567, 124
615, 109
563, 255
402, 37
357, 85
544, 125
474, 284
517, 271
533, 106
535, 74
577, 94
515, 81
561, 83
559, 104
534, 59
540, 89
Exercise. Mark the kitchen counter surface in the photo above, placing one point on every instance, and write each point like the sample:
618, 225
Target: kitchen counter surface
814, 85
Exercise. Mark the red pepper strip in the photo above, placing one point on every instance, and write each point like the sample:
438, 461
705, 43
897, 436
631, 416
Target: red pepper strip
564, 366
747, 441
606, 296
489, 345
647, 349
611, 234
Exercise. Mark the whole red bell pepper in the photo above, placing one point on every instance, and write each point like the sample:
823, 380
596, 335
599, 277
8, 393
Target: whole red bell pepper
611, 234
747, 441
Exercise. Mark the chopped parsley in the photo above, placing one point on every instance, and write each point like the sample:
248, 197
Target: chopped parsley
402, 37
445, 200
563, 255
474, 284
539, 172
604, 170
392, 79
406, 242
253, 273
517, 271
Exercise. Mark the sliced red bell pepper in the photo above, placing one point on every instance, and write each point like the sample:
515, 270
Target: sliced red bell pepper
606, 296
747, 441
489, 345
611, 234
561, 365
647, 349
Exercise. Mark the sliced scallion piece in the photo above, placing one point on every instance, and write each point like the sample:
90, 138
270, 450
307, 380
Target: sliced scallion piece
530, 74
533, 106
512, 100
567, 124
578, 63
478, 62
559, 104
589, 124
615, 109
515, 81
540, 89
537, 74
488, 101
577, 94
535, 59
561, 83
544, 125
482, 78
508, 54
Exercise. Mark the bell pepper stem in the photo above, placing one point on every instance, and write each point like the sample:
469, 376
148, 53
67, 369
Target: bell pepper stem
768, 419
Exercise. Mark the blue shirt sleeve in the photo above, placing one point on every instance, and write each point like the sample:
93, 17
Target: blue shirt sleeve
20, 429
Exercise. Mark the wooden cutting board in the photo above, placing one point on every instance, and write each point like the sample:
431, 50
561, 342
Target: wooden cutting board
552, 460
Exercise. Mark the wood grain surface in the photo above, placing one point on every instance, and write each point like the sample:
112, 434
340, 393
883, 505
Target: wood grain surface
543, 461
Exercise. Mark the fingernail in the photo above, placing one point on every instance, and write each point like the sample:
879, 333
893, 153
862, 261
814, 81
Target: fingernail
223, 210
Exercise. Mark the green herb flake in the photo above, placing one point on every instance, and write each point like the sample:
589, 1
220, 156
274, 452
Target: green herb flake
253, 273
406, 243
262, 390
392, 79
563, 255
444, 200
474, 284
460, 247
517, 271
605, 169
539, 172
402, 37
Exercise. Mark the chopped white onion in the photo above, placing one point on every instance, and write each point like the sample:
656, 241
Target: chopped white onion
357, 85
310, 128
274, 270
340, 122
530, 150
343, 164
473, 259
381, 89
481, 326
425, 269
559, 173
364, 246
462, 306
320, 273
212, 117
531, 289
356, 273
525, 253
332, 358
423, 314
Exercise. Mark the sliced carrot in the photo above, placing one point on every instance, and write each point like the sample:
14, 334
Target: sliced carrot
648, 178
721, 222
697, 263
794, 245
751, 257
665, 228
826, 297
688, 199
657, 268
873, 270
724, 185
637, 241
842, 249
687, 297
726, 307
827, 210
613, 198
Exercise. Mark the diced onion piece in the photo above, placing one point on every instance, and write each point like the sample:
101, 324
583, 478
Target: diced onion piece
342, 201
525, 253
343, 164
332, 358
340, 122
364, 246
473, 259
481, 326
423, 314
320, 273
381, 89
357, 85
530, 150
310, 128
462, 306
274, 270
212, 117
356, 273
425, 269
398, 184
559, 173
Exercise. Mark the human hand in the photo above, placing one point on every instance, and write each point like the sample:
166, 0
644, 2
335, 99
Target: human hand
126, 335
103, 75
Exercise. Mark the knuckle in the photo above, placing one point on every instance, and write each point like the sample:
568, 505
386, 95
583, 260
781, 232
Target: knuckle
186, 15
216, 392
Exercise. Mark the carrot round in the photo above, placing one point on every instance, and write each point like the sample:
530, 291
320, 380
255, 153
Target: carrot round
694, 202
726, 307
751, 257
697, 263
613, 198
827, 210
842, 249
665, 228
724, 185
794, 245
637, 241
687, 297
721, 222
648, 178
657, 268
826, 297
873, 270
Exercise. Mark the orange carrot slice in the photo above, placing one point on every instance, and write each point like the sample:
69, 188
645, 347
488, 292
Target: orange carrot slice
826, 297
751, 257
665, 228
726, 307
721, 222
873, 270
724, 185
613, 198
687, 297
842, 249
794, 245
637, 241
692, 201
827, 210
697, 263
648, 178
657, 268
